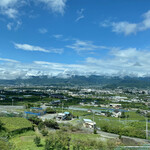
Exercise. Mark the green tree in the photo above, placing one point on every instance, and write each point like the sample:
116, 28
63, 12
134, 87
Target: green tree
37, 141
41, 126
44, 132
1, 126
49, 110
48, 145
122, 115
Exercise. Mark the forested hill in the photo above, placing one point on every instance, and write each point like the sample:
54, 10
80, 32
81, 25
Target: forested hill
111, 82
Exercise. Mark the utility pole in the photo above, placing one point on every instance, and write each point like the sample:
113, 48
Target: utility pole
146, 128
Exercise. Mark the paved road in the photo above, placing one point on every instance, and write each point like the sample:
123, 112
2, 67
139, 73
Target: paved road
111, 135
48, 116
10, 107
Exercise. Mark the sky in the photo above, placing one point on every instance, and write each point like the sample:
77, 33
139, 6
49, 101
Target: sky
75, 37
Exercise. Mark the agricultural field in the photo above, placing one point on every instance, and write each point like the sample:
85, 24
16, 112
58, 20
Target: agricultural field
25, 141
15, 123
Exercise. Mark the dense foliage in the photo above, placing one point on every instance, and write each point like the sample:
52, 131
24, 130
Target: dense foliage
62, 141
49, 110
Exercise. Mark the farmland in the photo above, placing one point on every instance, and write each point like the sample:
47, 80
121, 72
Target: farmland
15, 123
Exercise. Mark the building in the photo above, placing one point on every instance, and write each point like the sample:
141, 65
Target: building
34, 111
115, 105
64, 116
88, 123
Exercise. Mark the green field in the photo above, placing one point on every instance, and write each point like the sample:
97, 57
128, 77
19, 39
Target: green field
25, 141
15, 123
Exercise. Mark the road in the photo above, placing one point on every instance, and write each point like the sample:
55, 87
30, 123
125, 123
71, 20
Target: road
111, 135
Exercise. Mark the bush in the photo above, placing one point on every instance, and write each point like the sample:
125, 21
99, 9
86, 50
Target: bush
95, 131
49, 110
44, 132
37, 141
41, 125
35, 120
51, 124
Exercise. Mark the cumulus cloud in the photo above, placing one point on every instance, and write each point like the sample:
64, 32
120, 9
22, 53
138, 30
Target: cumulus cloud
28, 47
80, 15
126, 27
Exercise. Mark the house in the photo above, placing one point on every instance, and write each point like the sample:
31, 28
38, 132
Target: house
64, 116
61, 116
88, 123
56, 102
59, 96
2, 97
116, 113
115, 105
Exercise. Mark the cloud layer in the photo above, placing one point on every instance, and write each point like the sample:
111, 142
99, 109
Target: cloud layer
130, 61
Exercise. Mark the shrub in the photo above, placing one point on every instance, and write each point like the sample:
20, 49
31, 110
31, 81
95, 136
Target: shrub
95, 131
35, 120
41, 126
44, 132
37, 141
49, 110
51, 124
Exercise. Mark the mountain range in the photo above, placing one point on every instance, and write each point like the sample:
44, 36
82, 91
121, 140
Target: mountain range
75, 80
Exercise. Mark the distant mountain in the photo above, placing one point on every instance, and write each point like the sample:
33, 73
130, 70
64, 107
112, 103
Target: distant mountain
105, 81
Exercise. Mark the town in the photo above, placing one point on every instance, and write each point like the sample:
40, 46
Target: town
114, 116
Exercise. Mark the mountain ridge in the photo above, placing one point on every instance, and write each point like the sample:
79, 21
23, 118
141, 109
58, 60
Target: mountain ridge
104, 81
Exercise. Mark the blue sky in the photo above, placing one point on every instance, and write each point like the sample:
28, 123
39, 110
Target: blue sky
83, 37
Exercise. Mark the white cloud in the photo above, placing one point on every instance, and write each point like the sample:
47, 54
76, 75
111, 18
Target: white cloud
124, 27
7, 3
11, 13
57, 36
128, 27
43, 30
8, 60
28, 47
84, 46
57, 6
121, 62
14, 25
80, 15
9, 8
9, 26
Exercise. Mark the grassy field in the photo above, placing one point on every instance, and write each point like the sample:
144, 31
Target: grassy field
15, 123
25, 141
